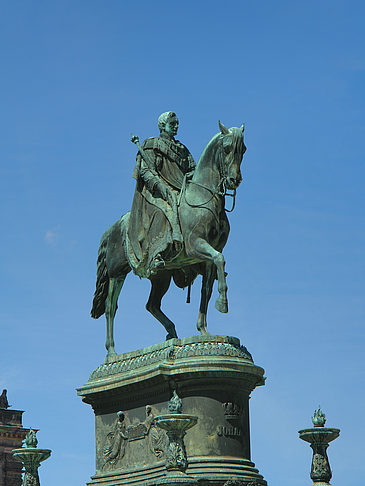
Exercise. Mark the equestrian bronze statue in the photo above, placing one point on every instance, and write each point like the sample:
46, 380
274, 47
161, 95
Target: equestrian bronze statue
177, 227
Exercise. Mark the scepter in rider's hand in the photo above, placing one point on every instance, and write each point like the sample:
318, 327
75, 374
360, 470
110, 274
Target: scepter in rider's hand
150, 165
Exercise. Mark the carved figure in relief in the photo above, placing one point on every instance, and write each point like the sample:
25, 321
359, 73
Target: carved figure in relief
117, 441
157, 439
158, 442
122, 434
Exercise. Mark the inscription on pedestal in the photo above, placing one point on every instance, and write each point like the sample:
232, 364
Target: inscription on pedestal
229, 431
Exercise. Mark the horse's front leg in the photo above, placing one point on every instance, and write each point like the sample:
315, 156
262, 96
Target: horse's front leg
206, 292
203, 250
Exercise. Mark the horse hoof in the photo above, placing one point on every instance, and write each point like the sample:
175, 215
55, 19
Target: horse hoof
204, 331
171, 336
110, 355
221, 306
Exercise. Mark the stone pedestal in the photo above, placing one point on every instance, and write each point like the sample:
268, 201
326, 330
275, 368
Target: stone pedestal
213, 375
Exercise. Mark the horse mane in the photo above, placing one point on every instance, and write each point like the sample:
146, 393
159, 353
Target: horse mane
208, 147
237, 142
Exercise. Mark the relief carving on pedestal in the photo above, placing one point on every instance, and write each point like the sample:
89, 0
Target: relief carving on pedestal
119, 438
116, 440
320, 467
232, 413
176, 456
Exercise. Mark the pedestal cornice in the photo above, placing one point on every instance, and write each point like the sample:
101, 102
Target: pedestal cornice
198, 356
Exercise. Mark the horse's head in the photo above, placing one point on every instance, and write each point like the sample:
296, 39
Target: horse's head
231, 153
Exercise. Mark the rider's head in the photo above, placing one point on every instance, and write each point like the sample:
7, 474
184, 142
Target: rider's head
168, 123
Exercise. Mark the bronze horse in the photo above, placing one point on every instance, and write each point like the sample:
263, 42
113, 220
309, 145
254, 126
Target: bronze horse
205, 229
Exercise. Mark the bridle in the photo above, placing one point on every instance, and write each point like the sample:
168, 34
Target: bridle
220, 191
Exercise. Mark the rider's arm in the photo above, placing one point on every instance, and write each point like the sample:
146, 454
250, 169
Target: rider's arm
150, 178
152, 181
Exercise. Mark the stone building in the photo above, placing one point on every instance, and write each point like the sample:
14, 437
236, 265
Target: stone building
12, 433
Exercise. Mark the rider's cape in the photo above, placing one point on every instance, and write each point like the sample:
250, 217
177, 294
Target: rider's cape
153, 236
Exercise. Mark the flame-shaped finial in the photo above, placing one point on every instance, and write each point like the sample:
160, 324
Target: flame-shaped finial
31, 439
319, 418
175, 404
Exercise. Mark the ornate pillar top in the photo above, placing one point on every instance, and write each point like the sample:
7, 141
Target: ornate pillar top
319, 438
31, 457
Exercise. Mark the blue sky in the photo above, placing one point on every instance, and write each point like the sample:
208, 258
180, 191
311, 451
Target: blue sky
77, 78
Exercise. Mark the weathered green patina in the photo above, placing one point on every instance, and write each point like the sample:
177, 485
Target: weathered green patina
31, 457
177, 227
139, 428
154, 233
319, 438
176, 423
319, 418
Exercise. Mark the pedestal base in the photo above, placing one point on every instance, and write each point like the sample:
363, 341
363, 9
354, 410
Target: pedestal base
213, 375
175, 479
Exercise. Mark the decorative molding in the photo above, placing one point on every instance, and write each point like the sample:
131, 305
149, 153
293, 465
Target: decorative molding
124, 363
14, 434
234, 482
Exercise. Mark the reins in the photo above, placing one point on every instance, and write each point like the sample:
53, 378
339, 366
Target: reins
223, 192
233, 200
200, 205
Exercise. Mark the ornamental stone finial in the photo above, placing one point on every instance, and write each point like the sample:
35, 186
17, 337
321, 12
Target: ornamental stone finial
175, 404
31, 439
176, 424
319, 418
319, 438
31, 457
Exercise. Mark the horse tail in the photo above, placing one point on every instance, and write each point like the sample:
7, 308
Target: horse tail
102, 280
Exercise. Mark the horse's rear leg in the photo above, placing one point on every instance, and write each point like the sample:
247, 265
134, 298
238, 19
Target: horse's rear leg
202, 249
206, 292
115, 286
159, 286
